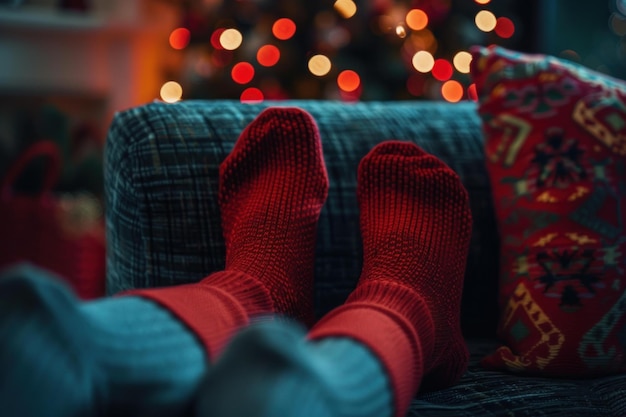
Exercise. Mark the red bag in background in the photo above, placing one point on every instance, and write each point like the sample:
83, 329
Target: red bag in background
61, 233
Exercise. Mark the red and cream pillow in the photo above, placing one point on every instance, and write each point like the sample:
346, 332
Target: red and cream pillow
555, 146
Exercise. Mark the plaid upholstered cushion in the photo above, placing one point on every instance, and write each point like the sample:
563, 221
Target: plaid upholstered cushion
163, 225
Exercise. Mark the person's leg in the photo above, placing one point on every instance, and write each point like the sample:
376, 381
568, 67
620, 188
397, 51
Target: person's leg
401, 322
272, 188
271, 369
416, 226
60, 357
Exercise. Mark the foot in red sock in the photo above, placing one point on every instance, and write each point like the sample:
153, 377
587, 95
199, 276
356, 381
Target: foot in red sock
272, 188
416, 225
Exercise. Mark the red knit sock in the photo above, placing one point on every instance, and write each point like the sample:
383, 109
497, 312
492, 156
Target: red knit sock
415, 223
272, 188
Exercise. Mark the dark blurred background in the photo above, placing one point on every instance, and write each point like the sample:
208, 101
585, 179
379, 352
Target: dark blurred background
69, 65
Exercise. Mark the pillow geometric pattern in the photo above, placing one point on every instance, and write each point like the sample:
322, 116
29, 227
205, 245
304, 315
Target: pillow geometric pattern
555, 147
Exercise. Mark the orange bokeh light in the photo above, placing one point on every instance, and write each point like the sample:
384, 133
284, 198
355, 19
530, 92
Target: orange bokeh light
252, 95
452, 91
417, 19
268, 55
348, 80
284, 28
242, 72
442, 70
179, 38
505, 28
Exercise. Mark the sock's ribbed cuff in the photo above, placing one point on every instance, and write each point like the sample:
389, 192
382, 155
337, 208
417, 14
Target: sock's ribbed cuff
215, 308
389, 335
249, 292
403, 301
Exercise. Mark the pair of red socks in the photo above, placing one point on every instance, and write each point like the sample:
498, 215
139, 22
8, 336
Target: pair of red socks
415, 224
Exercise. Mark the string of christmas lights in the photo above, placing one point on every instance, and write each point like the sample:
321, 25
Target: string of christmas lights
243, 49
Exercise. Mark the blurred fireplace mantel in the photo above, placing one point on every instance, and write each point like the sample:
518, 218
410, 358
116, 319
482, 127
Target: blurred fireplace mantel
118, 61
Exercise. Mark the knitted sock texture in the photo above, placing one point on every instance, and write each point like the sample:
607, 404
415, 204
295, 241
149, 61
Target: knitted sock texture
122, 356
272, 188
272, 370
415, 224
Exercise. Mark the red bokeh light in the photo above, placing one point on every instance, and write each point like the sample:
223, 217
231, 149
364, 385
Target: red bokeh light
251, 95
415, 84
268, 55
215, 38
472, 93
179, 38
348, 81
505, 28
242, 72
442, 70
284, 28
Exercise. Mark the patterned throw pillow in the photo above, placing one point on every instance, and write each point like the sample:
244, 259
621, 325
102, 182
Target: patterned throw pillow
555, 146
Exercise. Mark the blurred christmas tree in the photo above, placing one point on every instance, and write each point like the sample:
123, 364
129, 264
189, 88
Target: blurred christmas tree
345, 49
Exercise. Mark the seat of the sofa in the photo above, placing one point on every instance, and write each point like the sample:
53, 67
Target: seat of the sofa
489, 393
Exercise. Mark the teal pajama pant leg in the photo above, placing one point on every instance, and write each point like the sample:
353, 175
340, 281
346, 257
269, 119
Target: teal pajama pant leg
115, 356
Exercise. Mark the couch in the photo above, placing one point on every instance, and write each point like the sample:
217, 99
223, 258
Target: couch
163, 226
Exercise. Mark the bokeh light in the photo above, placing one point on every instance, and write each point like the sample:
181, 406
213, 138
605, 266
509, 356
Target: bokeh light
415, 84
416, 19
482, 1
348, 80
268, 55
215, 38
505, 28
231, 39
284, 28
179, 38
571, 55
462, 61
452, 91
319, 65
618, 24
421, 40
442, 70
242, 72
472, 93
171, 92
423, 61
401, 31
252, 95
485, 21
345, 8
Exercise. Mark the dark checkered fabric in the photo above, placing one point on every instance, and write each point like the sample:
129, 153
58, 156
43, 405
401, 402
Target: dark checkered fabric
163, 224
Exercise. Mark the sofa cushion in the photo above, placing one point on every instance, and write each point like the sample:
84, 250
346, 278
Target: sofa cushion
555, 151
489, 393
161, 179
